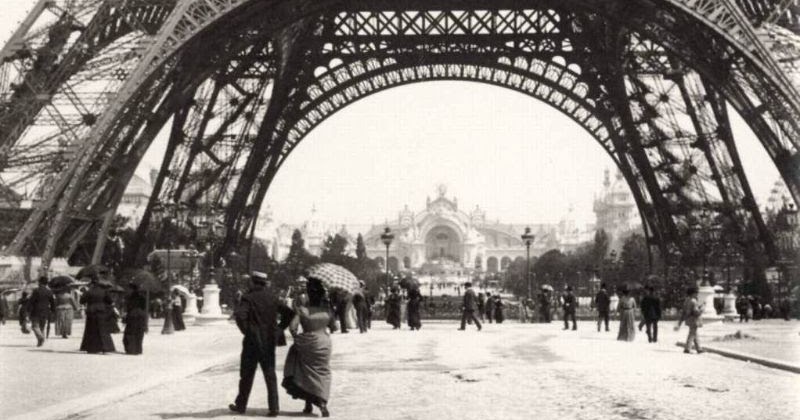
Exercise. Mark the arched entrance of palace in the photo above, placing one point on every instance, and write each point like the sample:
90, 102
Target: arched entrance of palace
443, 243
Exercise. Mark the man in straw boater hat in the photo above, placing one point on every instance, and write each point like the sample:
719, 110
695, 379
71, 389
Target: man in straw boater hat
257, 318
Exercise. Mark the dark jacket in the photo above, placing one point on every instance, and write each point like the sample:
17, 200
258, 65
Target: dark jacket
42, 303
257, 318
570, 303
470, 300
97, 300
651, 308
602, 301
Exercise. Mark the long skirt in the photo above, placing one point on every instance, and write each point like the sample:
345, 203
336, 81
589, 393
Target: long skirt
627, 325
393, 315
177, 318
498, 315
64, 321
135, 327
350, 316
307, 372
96, 335
414, 318
113, 324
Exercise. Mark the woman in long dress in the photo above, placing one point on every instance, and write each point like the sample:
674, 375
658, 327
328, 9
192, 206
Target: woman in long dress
414, 304
177, 311
499, 317
393, 304
96, 334
65, 311
307, 371
627, 318
135, 321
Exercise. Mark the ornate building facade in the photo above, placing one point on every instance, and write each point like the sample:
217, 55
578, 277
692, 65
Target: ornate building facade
440, 237
615, 211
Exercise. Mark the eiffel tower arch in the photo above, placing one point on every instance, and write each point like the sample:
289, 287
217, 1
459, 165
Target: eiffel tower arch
238, 84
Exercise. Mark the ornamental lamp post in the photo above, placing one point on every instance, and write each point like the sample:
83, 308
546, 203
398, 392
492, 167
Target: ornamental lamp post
528, 239
387, 237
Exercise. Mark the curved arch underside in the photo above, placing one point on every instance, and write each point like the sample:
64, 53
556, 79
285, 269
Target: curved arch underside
651, 82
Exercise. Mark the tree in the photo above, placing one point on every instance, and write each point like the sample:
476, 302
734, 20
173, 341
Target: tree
550, 268
296, 262
334, 249
599, 247
515, 279
633, 259
361, 249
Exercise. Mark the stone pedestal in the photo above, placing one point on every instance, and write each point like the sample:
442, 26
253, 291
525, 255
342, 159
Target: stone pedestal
730, 305
211, 300
191, 305
705, 296
211, 312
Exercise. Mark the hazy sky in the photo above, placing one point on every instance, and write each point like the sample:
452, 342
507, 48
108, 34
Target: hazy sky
519, 159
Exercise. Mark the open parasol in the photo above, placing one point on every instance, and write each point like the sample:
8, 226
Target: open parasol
60, 282
547, 287
333, 277
146, 281
409, 283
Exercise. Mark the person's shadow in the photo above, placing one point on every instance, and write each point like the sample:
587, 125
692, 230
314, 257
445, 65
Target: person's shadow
224, 412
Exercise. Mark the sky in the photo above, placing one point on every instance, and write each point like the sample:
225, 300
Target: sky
519, 159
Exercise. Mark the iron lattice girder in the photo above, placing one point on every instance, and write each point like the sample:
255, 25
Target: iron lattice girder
54, 63
205, 15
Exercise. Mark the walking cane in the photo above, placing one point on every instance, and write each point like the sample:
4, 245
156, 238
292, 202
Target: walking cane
47, 335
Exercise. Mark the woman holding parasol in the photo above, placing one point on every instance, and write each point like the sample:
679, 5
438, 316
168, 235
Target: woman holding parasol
96, 335
307, 371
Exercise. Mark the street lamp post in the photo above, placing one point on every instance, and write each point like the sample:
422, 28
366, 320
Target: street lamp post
528, 239
387, 237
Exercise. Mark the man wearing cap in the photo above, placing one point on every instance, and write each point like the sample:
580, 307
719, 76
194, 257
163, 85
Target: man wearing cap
603, 303
469, 308
569, 305
41, 306
257, 318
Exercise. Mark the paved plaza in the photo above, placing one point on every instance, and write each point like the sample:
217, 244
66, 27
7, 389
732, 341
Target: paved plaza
508, 371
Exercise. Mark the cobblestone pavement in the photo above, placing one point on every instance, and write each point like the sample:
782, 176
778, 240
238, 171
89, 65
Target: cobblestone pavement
508, 371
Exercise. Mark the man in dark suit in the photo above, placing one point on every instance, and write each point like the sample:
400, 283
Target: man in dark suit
469, 308
651, 312
569, 305
602, 301
41, 306
257, 318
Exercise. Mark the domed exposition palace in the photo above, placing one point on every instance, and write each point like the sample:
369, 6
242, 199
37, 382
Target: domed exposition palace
441, 237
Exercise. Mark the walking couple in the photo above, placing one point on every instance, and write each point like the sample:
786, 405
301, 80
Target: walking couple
306, 373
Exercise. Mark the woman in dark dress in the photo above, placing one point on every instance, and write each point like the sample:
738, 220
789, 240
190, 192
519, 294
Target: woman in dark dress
498, 309
96, 335
414, 303
135, 321
307, 371
393, 303
177, 311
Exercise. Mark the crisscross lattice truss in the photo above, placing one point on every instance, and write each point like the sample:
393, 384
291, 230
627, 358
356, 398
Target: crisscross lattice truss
86, 85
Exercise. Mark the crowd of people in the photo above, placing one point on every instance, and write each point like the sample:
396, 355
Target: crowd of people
97, 304
262, 314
